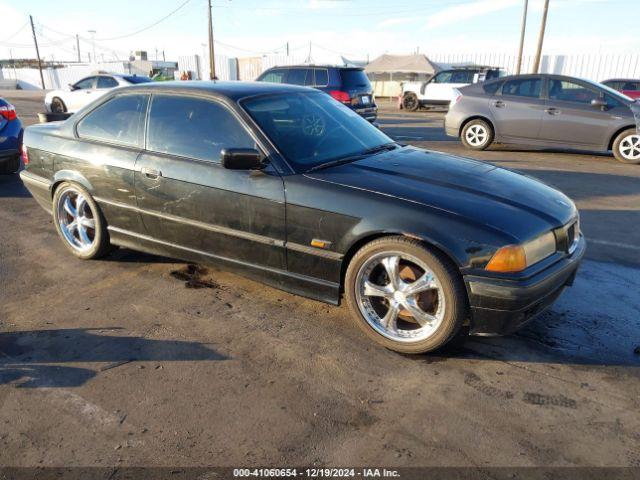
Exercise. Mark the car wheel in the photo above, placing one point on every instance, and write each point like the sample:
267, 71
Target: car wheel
58, 106
477, 135
626, 146
404, 296
11, 166
79, 222
410, 102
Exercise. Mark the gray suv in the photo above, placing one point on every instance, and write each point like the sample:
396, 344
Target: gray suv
546, 110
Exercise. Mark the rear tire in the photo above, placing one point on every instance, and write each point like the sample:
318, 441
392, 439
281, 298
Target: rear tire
58, 106
415, 316
626, 146
477, 135
410, 102
79, 222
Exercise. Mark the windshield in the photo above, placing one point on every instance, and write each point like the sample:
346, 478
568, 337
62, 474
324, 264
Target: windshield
312, 128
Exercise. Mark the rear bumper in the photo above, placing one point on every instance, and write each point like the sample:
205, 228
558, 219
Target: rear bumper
500, 306
370, 113
452, 123
39, 187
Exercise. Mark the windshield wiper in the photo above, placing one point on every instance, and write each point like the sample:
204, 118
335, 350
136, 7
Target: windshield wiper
352, 158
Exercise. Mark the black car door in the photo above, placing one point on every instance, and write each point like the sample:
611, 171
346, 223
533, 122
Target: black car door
186, 197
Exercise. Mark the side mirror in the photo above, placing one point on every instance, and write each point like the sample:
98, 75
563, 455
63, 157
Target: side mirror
599, 103
242, 159
71, 87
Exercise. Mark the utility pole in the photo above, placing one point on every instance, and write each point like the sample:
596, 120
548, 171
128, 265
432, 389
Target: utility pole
543, 25
78, 47
212, 58
287, 49
93, 44
522, 30
35, 41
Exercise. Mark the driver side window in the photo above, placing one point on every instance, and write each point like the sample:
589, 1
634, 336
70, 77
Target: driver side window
567, 91
194, 128
85, 84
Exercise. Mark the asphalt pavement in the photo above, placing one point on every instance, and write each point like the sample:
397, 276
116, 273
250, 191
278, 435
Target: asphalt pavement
119, 362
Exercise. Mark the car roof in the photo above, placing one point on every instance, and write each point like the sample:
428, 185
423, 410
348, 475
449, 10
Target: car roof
232, 90
318, 65
621, 80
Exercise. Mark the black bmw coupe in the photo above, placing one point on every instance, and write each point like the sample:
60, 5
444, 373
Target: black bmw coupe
286, 185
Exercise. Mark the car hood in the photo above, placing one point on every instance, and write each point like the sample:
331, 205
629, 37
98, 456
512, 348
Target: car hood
506, 201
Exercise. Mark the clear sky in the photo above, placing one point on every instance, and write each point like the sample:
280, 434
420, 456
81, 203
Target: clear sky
354, 28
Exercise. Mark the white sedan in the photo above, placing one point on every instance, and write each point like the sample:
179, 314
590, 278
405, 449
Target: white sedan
87, 90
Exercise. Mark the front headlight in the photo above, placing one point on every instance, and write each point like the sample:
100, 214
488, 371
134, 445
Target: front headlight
515, 258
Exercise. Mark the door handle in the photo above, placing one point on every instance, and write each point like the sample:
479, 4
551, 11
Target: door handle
499, 104
552, 111
150, 172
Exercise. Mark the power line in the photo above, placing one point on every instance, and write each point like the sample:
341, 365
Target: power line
16, 32
148, 26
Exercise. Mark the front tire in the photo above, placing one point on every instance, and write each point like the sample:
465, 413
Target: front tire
405, 296
477, 135
626, 146
79, 222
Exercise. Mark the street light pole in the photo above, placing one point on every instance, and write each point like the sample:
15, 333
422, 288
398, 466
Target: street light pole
212, 63
522, 30
543, 25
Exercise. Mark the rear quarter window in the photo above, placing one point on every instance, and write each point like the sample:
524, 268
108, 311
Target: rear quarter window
118, 120
354, 78
491, 88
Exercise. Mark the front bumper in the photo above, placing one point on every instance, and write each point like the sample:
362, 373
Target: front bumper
501, 306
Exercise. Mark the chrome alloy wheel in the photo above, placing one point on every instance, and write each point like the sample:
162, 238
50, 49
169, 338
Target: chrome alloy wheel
400, 297
476, 135
630, 147
76, 219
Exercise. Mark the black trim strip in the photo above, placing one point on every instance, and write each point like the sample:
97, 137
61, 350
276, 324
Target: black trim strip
228, 231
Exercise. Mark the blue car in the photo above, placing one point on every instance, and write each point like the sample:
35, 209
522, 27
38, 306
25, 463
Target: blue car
348, 85
10, 138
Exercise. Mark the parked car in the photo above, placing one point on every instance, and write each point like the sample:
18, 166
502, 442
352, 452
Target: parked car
87, 90
546, 110
348, 85
10, 138
286, 185
629, 87
438, 90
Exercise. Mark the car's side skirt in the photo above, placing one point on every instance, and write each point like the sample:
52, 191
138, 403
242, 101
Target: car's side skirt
303, 285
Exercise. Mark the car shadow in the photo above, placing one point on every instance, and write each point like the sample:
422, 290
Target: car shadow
31, 359
12, 187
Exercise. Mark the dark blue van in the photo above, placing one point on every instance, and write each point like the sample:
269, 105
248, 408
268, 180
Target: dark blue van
348, 85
